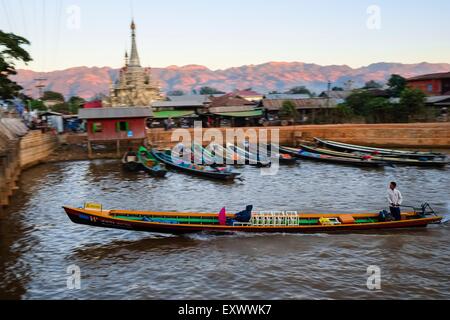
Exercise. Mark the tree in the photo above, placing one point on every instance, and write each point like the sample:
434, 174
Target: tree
75, 103
337, 89
373, 85
11, 51
37, 105
61, 108
288, 110
413, 101
175, 93
210, 90
357, 102
396, 84
299, 90
51, 95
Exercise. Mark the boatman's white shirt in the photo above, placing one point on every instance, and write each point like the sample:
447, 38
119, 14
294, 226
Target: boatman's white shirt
394, 197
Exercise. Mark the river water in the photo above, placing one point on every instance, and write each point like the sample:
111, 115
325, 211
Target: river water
38, 242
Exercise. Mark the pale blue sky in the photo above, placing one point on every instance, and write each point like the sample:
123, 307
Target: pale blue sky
222, 34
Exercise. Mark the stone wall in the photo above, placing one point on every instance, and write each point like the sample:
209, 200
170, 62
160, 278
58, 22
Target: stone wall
414, 135
19, 149
36, 146
11, 130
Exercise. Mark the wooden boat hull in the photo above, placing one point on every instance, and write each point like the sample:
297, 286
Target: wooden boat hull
249, 159
226, 176
299, 153
390, 160
131, 166
157, 171
339, 146
105, 219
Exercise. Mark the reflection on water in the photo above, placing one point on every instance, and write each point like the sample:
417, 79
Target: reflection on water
38, 242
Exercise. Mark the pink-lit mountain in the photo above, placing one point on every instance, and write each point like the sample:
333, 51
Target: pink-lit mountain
88, 82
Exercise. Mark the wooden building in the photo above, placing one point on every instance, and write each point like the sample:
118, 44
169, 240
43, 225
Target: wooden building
115, 124
436, 84
308, 109
232, 110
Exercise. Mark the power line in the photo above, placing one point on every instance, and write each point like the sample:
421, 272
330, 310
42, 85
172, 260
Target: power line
8, 20
24, 21
58, 28
43, 34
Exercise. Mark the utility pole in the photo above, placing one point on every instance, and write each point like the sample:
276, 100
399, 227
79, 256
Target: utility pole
40, 86
328, 93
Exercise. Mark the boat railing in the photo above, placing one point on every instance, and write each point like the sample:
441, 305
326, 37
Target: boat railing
275, 219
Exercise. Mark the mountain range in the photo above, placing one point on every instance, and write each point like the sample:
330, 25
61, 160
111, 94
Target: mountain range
88, 82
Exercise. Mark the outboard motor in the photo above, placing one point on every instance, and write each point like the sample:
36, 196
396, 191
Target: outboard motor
244, 216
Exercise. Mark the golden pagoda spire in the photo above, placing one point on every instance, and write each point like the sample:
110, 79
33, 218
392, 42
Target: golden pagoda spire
134, 56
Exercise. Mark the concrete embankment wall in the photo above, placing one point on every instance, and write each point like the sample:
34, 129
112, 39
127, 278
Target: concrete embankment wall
20, 148
35, 147
414, 135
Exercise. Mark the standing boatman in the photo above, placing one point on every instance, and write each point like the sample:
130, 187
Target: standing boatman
395, 200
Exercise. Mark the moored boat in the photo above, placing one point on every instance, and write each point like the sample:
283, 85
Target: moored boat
219, 173
230, 157
274, 153
130, 161
249, 158
150, 164
246, 221
302, 154
427, 162
339, 146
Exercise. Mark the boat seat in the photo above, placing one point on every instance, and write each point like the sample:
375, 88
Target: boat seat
346, 219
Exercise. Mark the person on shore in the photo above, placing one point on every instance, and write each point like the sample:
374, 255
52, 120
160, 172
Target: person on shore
395, 200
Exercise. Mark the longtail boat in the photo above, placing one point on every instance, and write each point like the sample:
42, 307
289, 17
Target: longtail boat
229, 156
212, 172
247, 221
248, 157
206, 156
339, 146
130, 161
274, 153
150, 164
302, 154
397, 161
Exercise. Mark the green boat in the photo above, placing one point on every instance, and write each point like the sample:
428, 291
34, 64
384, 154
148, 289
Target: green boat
150, 164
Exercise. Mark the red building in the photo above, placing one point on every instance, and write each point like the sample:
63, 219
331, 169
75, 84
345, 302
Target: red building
93, 104
436, 84
115, 124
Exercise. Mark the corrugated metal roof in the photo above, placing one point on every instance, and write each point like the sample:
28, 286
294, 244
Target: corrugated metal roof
338, 94
436, 99
231, 109
285, 96
312, 103
200, 99
443, 75
177, 104
243, 114
113, 113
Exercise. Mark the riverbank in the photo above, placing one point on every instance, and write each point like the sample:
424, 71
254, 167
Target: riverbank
19, 150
